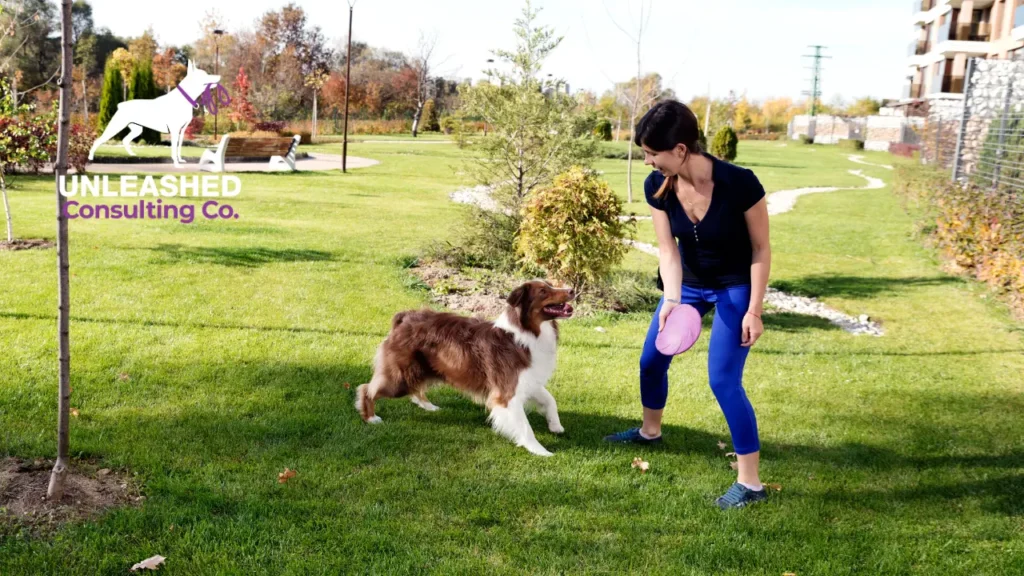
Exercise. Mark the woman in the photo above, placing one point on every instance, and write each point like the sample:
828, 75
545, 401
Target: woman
719, 215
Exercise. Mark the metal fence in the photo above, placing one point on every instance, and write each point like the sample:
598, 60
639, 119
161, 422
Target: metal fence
980, 139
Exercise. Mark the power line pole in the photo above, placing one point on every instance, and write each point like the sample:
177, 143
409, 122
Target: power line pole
348, 88
815, 92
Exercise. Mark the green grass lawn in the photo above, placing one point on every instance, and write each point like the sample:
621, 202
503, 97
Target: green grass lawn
896, 455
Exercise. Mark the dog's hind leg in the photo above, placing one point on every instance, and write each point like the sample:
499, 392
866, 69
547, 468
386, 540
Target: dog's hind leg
133, 132
117, 123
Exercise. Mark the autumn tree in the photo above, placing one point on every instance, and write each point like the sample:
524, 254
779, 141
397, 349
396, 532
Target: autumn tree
242, 111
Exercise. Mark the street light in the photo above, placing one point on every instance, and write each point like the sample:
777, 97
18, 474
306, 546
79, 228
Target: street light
216, 66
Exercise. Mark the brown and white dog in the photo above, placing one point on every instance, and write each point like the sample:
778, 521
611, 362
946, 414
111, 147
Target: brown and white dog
502, 364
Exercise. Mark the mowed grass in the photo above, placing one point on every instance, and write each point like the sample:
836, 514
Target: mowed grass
896, 455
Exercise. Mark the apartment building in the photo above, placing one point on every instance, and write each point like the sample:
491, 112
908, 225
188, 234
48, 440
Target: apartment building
948, 32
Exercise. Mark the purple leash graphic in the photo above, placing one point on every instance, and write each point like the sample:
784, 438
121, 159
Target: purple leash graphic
207, 99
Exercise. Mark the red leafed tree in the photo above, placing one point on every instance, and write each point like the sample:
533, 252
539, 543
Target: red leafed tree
241, 109
404, 85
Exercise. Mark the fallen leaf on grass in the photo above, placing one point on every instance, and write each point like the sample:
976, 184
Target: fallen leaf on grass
641, 464
728, 454
789, 574
124, 377
776, 487
721, 445
284, 476
74, 412
734, 465
347, 386
103, 472
149, 563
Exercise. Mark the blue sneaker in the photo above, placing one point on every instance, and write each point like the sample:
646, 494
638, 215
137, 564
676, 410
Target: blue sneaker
633, 436
739, 496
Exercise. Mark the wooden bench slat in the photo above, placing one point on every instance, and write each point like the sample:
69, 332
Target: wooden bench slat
242, 146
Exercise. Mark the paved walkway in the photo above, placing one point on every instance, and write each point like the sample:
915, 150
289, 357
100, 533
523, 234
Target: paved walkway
316, 161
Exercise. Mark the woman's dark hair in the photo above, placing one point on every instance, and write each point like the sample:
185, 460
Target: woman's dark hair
667, 124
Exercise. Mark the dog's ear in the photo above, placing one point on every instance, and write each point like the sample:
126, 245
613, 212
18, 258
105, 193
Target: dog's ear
516, 298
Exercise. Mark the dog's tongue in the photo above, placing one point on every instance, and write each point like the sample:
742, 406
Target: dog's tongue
562, 310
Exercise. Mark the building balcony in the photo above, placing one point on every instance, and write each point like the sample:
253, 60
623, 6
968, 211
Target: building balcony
976, 32
947, 85
925, 11
913, 91
918, 48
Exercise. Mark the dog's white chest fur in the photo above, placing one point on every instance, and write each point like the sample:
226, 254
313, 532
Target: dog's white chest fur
543, 354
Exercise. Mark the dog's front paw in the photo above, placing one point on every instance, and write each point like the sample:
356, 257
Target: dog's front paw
539, 450
556, 428
374, 420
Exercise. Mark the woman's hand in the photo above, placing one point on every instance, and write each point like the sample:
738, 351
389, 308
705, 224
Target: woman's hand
752, 329
666, 307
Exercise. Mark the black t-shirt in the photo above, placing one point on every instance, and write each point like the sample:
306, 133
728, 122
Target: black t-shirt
717, 251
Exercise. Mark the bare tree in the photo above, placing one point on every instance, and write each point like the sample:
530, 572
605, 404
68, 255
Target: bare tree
60, 470
422, 64
639, 97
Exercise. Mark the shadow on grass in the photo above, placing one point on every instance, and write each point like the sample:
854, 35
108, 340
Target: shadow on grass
237, 257
200, 325
824, 285
267, 415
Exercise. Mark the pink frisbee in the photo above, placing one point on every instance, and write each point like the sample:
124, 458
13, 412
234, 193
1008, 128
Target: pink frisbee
682, 328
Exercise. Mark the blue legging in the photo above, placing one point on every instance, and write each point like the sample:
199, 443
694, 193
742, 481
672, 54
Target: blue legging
726, 358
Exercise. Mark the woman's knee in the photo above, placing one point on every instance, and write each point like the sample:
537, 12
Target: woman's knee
653, 363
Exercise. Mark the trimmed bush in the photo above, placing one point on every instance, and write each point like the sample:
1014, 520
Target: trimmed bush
428, 118
603, 130
571, 229
850, 144
724, 144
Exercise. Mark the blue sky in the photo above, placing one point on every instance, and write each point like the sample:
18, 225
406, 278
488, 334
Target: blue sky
749, 46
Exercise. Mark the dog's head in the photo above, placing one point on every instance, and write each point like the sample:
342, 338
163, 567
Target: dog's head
537, 301
200, 76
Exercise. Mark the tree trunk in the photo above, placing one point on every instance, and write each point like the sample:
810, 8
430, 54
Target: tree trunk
85, 102
313, 135
416, 118
632, 118
56, 489
7, 209
618, 126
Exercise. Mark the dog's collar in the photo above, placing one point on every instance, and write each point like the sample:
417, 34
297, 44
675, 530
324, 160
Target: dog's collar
194, 103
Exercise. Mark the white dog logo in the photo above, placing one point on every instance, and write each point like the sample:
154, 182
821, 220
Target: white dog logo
169, 114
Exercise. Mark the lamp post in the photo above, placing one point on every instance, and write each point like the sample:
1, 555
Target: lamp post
216, 66
348, 89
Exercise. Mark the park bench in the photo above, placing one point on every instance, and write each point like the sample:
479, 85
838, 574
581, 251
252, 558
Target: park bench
279, 150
